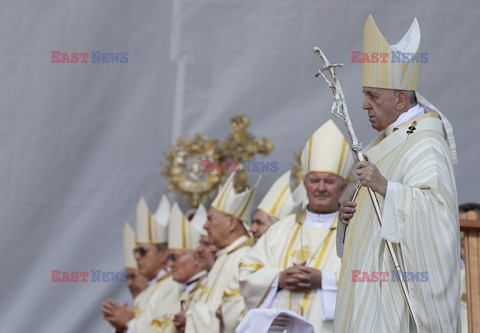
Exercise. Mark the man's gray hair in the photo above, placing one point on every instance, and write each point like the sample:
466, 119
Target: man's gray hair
412, 97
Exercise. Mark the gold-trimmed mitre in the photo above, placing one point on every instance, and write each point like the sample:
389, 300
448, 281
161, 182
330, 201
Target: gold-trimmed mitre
182, 233
235, 204
128, 246
396, 71
327, 150
198, 220
152, 229
280, 201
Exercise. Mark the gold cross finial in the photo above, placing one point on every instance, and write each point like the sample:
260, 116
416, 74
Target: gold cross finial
240, 145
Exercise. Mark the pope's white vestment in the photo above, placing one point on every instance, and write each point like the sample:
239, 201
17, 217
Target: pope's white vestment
420, 218
221, 286
304, 237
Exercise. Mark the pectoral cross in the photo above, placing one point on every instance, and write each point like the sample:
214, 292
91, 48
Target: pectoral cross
412, 128
302, 255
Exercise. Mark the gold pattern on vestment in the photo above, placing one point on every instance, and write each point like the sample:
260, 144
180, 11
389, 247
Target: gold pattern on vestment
302, 255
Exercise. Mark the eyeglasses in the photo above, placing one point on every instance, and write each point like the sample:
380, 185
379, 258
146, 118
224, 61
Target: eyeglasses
142, 252
175, 256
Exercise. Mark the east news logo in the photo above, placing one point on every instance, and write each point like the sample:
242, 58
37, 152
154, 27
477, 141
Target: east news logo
93, 57
397, 57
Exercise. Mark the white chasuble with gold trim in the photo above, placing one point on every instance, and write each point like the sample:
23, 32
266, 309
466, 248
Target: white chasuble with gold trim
290, 241
420, 218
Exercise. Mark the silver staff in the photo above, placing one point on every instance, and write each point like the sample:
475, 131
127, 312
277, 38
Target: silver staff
339, 110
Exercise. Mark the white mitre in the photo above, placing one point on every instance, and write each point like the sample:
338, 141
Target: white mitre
153, 229
327, 150
394, 74
238, 205
391, 74
198, 220
128, 246
280, 201
184, 234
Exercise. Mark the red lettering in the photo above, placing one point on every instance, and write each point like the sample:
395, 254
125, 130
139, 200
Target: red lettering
74, 58
215, 167
205, 166
75, 276
224, 166
384, 276
65, 58
365, 58
356, 59
365, 277
355, 275
56, 275
56, 59
84, 276
384, 56
84, 56
374, 57
374, 277
65, 277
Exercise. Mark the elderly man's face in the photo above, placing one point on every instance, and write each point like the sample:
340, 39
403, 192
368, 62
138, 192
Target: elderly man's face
381, 107
206, 253
136, 282
149, 259
323, 191
260, 223
184, 265
218, 227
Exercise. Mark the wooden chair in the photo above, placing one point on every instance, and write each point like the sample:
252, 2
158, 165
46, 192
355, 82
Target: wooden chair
471, 230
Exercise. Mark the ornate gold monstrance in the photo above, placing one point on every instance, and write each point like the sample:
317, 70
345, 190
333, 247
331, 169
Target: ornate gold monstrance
296, 169
184, 170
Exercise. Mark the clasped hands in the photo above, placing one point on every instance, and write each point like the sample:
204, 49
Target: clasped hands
117, 315
300, 278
